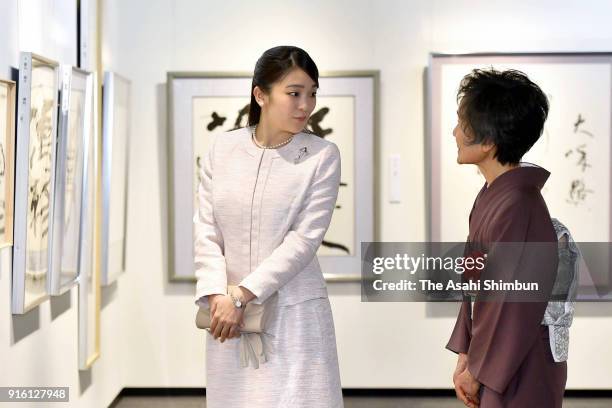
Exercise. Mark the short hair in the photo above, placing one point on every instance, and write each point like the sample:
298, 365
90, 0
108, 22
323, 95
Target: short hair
272, 66
503, 108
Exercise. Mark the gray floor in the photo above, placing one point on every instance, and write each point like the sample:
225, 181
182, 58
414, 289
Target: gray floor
349, 402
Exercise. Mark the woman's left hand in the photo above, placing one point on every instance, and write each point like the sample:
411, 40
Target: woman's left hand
226, 318
467, 387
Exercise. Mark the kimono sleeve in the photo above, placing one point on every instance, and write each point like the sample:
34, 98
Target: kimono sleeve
208, 241
460, 338
305, 235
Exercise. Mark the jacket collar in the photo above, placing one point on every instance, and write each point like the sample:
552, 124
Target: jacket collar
291, 149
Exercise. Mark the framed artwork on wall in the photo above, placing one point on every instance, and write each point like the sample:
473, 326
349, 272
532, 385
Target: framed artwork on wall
575, 146
115, 148
7, 160
74, 123
207, 103
34, 179
89, 272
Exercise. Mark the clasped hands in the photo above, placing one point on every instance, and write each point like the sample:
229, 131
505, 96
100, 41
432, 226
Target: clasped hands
225, 318
466, 386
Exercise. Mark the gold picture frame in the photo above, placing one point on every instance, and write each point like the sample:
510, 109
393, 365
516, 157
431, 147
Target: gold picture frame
7, 156
90, 293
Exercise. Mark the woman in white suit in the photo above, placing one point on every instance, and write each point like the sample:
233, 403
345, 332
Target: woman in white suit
265, 202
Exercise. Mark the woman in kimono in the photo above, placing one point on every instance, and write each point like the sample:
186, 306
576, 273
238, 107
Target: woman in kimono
265, 202
504, 354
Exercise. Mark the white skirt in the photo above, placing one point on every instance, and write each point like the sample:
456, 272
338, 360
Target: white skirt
302, 371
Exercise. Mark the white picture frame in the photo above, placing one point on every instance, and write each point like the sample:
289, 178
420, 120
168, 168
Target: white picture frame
115, 157
89, 272
578, 86
75, 122
200, 104
34, 179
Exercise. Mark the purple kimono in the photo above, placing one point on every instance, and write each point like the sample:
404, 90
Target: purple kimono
508, 348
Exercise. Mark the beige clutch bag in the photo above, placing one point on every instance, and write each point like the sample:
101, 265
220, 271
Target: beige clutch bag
254, 317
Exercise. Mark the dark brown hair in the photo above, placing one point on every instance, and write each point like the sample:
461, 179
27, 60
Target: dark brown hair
503, 108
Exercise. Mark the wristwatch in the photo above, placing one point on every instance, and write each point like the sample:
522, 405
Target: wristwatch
236, 301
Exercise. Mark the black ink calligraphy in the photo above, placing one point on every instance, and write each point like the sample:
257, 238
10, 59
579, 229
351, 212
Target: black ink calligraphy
216, 121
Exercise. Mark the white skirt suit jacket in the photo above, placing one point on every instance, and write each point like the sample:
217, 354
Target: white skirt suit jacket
261, 218
263, 214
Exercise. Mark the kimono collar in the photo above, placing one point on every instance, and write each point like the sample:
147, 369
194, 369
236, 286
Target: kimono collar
526, 175
298, 141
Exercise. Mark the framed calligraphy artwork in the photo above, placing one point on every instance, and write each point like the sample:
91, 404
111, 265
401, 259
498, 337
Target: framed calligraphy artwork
34, 179
204, 104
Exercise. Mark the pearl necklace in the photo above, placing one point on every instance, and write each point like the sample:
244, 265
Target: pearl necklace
268, 147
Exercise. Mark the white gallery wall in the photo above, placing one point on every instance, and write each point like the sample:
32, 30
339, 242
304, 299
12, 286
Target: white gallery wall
148, 335
380, 345
40, 348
